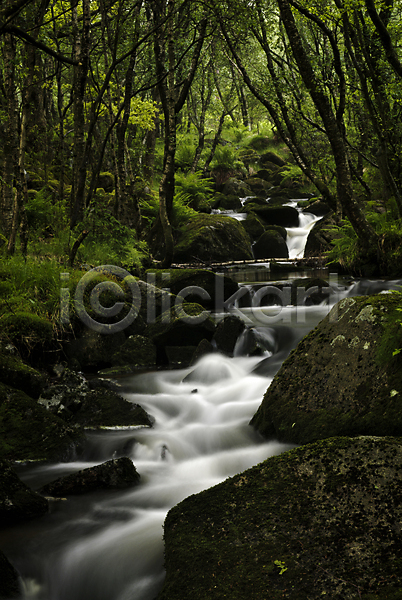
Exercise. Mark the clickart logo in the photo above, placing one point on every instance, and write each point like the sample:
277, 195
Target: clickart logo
108, 299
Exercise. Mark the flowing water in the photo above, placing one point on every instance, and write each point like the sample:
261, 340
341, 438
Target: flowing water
109, 546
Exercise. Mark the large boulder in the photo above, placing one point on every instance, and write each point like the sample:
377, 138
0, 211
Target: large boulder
259, 186
119, 473
93, 350
29, 432
17, 501
212, 238
342, 378
271, 245
320, 521
9, 579
227, 333
137, 351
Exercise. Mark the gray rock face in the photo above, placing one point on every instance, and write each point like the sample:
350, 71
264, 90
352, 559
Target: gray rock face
322, 520
17, 501
113, 474
342, 379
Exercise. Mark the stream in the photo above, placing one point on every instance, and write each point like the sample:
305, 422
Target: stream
109, 545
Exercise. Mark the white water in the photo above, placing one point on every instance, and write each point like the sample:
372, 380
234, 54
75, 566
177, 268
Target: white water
297, 236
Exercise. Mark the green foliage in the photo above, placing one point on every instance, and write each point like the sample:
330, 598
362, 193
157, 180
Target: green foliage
182, 210
195, 186
185, 155
225, 159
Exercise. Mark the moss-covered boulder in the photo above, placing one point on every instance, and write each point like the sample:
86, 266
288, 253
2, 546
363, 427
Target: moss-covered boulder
17, 501
286, 216
231, 202
259, 186
272, 157
115, 474
29, 432
29, 332
137, 351
342, 378
16, 373
236, 187
319, 521
270, 245
91, 406
191, 284
254, 226
212, 238
319, 208
9, 579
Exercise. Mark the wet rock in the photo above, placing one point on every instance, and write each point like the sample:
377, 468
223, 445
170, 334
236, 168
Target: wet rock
29, 432
73, 400
320, 238
286, 216
322, 520
227, 334
181, 326
180, 356
204, 347
231, 202
17, 501
93, 350
342, 378
9, 579
270, 245
114, 474
212, 238
319, 208
136, 351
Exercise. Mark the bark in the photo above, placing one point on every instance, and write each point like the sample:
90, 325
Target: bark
333, 127
80, 76
384, 37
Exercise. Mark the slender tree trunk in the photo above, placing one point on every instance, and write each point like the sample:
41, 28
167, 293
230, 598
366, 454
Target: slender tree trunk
11, 136
366, 234
81, 54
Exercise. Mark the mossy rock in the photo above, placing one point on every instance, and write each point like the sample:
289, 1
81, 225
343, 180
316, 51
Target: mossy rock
106, 181
230, 202
254, 226
342, 378
212, 238
270, 245
93, 350
9, 579
27, 331
272, 157
248, 156
236, 187
285, 216
321, 520
181, 281
137, 351
17, 501
259, 186
18, 374
91, 406
259, 143
29, 432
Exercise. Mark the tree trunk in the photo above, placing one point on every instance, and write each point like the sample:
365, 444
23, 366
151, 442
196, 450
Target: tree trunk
366, 234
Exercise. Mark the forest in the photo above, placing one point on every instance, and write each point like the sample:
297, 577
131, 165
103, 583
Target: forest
120, 122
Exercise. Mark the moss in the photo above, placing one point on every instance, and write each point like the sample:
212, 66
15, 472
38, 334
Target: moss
27, 330
16, 373
212, 238
302, 524
28, 431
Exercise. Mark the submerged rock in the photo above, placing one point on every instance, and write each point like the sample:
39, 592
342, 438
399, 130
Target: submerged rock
322, 520
114, 474
17, 501
342, 378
